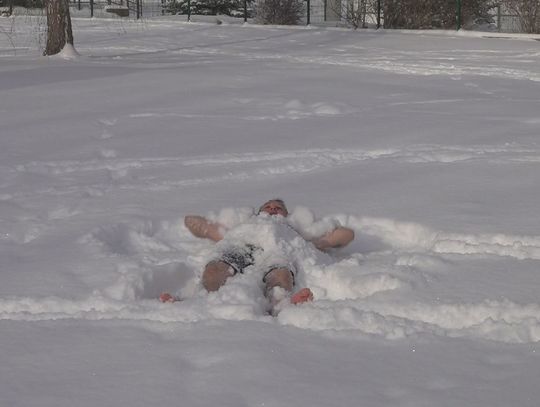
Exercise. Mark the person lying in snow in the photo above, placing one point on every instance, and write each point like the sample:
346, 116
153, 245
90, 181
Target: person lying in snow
278, 270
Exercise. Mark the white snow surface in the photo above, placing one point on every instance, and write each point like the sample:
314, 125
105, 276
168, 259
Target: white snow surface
425, 143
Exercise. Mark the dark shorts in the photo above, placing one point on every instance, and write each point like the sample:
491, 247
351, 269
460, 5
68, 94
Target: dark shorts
239, 258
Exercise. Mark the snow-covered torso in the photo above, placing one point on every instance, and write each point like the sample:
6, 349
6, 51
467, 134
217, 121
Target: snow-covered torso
270, 233
282, 239
277, 242
301, 220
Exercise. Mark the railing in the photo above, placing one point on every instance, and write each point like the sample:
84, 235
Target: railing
321, 12
507, 22
122, 8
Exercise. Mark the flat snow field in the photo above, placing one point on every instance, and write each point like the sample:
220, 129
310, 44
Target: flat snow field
427, 144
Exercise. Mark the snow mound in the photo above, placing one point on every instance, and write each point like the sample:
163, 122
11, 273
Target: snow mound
68, 52
414, 237
368, 293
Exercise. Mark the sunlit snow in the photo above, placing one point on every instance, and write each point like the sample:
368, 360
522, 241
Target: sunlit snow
425, 143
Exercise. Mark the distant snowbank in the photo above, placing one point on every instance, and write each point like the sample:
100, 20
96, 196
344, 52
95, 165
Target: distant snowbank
452, 33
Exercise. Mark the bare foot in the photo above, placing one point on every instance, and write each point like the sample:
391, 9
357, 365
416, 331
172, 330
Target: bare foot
303, 295
166, 297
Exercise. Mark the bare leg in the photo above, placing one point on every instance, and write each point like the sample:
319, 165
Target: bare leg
281, 277
215, 275
279, 285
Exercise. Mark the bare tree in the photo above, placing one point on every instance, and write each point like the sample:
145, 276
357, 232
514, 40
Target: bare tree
416, 14
287, 12
528, 12
59, 32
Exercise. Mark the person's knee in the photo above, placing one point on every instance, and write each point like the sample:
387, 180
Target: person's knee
215, 275
281, 277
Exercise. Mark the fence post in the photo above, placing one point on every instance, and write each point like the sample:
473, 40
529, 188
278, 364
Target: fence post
245, 11
189, 10
378, 14
308, 12
91, 8
458, 15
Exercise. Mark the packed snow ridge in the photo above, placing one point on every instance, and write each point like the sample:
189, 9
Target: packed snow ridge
353, 291
146, 174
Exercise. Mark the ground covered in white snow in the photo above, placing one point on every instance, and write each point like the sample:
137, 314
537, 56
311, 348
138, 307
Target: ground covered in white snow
426, 144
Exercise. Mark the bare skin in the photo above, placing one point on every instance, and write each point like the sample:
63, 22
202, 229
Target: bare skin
201, 227
274, 207
339, 237
280, 277
216, 273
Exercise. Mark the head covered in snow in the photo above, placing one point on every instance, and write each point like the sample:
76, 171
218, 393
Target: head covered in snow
274, 206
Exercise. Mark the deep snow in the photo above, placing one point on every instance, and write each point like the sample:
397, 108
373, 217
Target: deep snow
425, 143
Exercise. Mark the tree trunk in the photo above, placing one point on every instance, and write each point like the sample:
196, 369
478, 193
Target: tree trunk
58, 26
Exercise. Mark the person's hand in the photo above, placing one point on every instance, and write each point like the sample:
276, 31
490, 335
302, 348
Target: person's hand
201, 227
338, 237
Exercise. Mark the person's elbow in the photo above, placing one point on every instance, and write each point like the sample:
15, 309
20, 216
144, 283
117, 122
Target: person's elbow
346, 236
191, 219
197, 225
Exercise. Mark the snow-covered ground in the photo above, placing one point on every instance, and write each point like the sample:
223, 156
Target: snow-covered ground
425, 143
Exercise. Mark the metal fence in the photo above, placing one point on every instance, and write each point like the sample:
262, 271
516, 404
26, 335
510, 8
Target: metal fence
372, 15
506, 22
317, 12
116, 8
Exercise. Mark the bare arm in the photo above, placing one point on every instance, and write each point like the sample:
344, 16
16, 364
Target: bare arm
203, 228
338, 237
